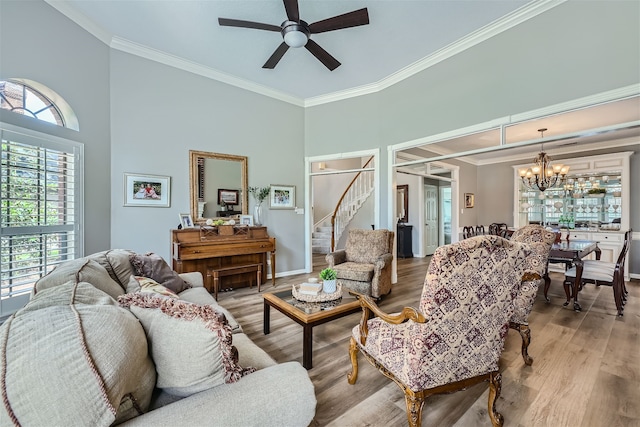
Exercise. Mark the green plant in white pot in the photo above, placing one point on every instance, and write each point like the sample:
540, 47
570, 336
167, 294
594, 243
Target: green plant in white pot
328, 276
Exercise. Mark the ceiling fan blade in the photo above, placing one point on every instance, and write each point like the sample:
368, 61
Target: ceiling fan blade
225, 22
276, 56
323, 56
291, 6
347, 20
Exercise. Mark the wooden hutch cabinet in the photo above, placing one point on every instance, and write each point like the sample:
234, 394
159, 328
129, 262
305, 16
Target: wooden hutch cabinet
593, 202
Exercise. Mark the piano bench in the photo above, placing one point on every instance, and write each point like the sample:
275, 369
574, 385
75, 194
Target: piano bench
214, 274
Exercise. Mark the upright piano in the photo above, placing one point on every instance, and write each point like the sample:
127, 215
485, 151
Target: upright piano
200, 248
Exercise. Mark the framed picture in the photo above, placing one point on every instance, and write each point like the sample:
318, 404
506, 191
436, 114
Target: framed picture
185, 220
147, 190
246, 220
469, 200
228, 197
282, 196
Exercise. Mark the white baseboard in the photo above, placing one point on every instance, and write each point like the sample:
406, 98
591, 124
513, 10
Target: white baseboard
287, 273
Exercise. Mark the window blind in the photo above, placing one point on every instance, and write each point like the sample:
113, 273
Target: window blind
38, 213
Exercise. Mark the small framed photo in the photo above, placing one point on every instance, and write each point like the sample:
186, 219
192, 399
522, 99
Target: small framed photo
147, 190
246, 220
469, 200
282, 196
228, 197
185, 220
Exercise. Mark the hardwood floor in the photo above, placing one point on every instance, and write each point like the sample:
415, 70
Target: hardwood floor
586, 369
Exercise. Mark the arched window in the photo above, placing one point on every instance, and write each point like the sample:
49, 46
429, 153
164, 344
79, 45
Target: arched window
40, 192
32, 99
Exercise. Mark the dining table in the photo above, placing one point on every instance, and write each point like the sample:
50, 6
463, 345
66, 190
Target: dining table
570, 253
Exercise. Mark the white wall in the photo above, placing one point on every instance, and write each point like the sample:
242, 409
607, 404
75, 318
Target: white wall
153, 114
159, 113
327, 189
574, 50
40, 44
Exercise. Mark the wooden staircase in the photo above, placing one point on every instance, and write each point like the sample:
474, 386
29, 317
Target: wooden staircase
327, 231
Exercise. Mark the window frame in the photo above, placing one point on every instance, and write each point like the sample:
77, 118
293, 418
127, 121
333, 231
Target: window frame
37, 139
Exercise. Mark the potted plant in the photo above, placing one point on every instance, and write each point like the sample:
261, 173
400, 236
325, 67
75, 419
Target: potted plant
259, 194
328, 276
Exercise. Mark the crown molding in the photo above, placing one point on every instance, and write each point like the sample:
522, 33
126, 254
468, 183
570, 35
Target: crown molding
508, 21
577, 148
87, 24
586, 101
132, 48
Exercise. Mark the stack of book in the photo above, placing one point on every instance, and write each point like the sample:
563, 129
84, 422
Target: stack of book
310, 288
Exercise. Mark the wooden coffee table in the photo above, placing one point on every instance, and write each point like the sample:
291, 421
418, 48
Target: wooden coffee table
308, 314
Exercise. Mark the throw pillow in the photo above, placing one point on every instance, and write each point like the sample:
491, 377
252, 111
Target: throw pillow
190, 344
73, 357
117, 264
80, 270
145, 284
153, 266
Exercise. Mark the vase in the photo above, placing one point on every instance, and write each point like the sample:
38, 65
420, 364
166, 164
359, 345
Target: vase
257, 214
329, 286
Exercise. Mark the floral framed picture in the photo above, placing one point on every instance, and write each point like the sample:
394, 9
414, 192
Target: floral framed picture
185, 220
469, 200
246, 220
282, 196
147, 190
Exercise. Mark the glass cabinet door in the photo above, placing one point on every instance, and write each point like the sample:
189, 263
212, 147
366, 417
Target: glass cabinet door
588, 200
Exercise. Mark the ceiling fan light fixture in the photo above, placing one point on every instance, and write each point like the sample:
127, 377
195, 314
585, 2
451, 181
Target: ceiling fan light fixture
294, 34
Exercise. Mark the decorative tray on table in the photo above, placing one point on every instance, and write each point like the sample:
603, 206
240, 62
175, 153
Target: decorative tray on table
320, 297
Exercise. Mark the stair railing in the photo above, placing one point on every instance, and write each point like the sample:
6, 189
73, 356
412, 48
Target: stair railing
354, 195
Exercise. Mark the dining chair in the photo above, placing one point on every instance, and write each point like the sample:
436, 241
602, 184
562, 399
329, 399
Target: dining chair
606, 273
496, 227
540, 241
480, 230
455, 339
468, 231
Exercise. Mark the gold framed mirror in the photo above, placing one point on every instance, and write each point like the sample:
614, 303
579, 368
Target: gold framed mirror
213, 174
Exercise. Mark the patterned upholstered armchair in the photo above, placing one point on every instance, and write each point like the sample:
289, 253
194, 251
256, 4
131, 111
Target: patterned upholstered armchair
457, 336
540, 241
364, 265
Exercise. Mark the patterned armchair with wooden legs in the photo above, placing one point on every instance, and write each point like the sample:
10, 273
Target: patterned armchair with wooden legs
457, 336
364, 265
540, 241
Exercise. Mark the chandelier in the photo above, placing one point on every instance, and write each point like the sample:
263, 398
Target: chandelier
543, 175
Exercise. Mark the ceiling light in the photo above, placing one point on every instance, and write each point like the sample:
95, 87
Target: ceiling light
294, 34
543, 175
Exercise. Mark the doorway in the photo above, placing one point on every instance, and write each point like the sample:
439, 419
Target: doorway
445, 214
431, 218
328, 179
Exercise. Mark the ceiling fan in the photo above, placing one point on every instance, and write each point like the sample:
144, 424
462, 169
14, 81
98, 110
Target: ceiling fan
297, 33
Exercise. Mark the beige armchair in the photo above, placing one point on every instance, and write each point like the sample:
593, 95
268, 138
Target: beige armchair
457, 336
364, 265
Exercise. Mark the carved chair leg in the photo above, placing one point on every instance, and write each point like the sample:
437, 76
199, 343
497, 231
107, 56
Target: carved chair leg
525, 333
414, 408
495, 386
353, 353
